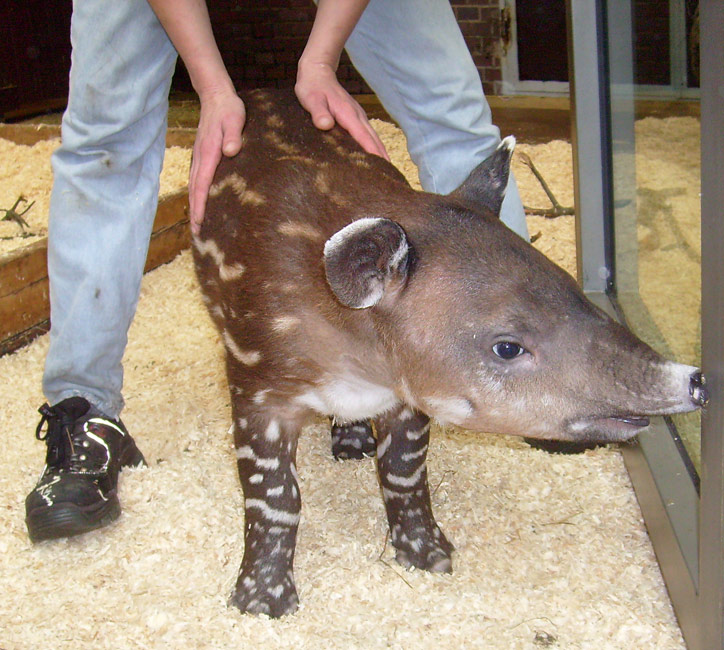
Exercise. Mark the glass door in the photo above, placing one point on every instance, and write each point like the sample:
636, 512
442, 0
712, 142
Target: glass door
656, 187
649, 179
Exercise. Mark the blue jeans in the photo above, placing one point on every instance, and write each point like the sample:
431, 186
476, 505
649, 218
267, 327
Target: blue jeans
413, 55
105, 193
107, 170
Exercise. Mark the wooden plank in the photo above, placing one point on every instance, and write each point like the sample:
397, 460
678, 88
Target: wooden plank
180, 137
23, 266
31, 108
172, 208
23, 309
167, 244
30, 134
24, 292
24, 301
24, 338
170, 230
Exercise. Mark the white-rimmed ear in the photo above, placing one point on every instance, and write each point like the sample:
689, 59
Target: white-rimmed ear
365, 259
487, 183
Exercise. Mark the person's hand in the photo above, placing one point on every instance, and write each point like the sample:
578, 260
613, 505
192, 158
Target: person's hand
220, 124
328, 103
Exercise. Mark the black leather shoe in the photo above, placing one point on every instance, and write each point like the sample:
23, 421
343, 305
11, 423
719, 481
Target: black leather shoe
77, 490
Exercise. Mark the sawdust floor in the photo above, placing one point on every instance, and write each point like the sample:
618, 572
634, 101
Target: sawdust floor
551, 550
25, 171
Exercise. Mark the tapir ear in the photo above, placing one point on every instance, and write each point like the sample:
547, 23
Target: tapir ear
365, 259
487, 182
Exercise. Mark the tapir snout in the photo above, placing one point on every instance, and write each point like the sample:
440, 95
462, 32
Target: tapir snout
336, 288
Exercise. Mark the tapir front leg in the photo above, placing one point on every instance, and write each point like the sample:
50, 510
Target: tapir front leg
403, 436
266, 451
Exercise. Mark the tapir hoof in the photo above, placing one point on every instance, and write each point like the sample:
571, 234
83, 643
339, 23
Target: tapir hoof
433, 555
353, 441
273, 600
435, 562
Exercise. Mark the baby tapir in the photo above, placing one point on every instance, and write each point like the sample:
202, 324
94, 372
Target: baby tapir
338, 289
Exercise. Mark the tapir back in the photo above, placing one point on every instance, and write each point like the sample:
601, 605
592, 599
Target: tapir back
259, 254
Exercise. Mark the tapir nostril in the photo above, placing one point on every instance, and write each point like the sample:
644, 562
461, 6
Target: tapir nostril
697, 389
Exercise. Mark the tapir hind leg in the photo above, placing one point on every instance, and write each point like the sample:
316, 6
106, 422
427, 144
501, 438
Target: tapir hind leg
354, 440
266, 451
402, 439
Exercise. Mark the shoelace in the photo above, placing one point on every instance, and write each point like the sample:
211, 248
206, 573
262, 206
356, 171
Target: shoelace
59, 445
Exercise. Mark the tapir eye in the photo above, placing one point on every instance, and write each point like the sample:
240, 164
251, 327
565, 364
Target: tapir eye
508, 350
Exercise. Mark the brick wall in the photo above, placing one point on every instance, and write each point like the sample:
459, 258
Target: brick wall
481, 24
261, 42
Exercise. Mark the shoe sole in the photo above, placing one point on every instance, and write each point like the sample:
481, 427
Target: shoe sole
68, 519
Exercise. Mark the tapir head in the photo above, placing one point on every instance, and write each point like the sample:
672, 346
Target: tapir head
487, 333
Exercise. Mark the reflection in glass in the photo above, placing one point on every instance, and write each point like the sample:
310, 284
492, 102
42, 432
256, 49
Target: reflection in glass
657, 217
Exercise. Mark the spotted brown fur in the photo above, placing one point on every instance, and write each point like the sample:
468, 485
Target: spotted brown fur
338, 289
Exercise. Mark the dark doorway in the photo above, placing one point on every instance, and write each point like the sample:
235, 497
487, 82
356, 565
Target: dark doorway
542, 53
34, 56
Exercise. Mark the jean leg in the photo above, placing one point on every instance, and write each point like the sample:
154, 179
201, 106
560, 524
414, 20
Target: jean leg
413, 55
105, 193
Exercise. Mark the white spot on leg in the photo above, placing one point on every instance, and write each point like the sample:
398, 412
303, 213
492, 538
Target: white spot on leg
273, 514
247, 453
293, 469
407, 481
383, 446
272, 431
416, 435
414, 454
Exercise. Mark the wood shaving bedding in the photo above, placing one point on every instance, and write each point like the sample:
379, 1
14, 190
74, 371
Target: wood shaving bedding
25, 170
551, 550
546, 545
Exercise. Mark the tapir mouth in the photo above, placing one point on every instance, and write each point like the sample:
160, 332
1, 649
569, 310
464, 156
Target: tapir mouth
632, 420
610, 428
